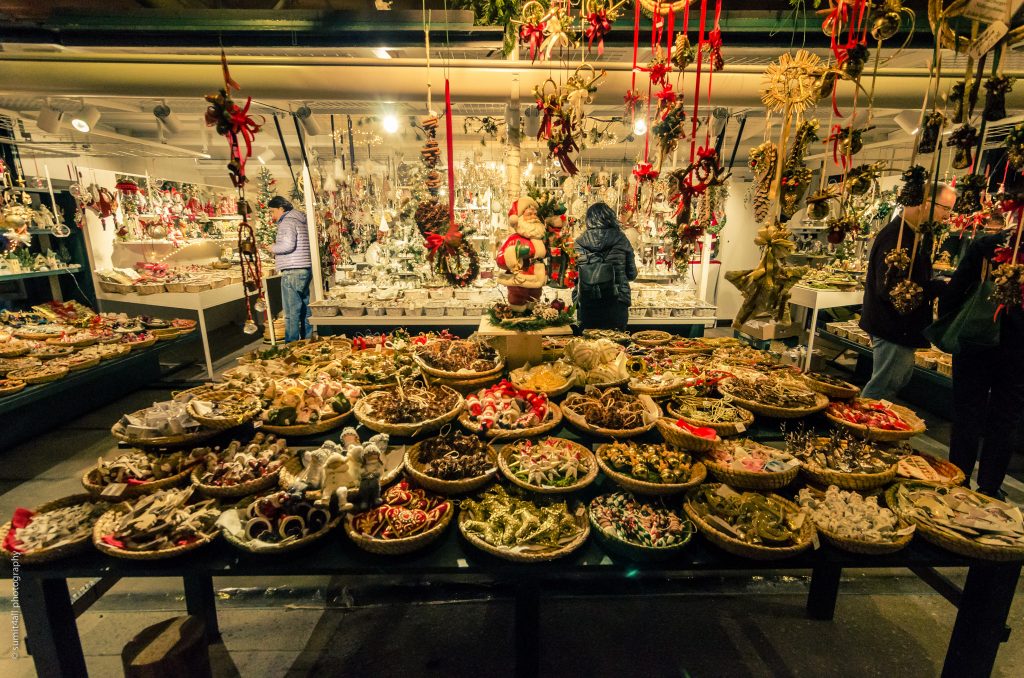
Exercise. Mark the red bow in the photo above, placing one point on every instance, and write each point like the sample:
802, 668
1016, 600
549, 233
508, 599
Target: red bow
561, 152
1004, 254
658, 72
632, 98
533, 36
666, 96
599, 27
545, 123
715, 46
435, 240
644, 171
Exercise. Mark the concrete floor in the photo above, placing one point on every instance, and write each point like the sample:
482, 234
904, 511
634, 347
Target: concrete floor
886, 621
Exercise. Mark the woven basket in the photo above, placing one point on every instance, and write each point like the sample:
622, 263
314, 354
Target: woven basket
394, 547
145, 343
180, 440
299, 430
253, 405
917, 425
953, 474
175, 287
636, 552
636, 386
610, 384
147, 289
516, 376
293, 468
579, 422
958, 545
724, 429
10, 387
464, 386
47, 352
91, 482
115, 351
848, 481
409, 430
698, 473
46, 555
194, 287
821, 402
681, 438
77, 365
493, 433
29, 335
581, 481
741, 548
831, 390
865, 546
16, 352
30, 377
751, 480
651, 338
246, 544
241, 490
414, 468
166, 335
458, 376
106, 524
528, 556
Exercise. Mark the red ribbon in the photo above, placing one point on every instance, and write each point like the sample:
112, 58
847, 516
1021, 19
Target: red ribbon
835, 137
715, 42
666, 96
22, 517
644, 171
533, 36
632, 98
658, 73
545, 130
451, 156
696, 91
599, 27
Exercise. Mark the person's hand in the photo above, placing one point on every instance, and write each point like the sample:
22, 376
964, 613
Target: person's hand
987, 244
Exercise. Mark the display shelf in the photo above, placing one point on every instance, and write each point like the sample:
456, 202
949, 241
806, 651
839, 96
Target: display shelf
816, 300
469, 320
40, 274
165, 241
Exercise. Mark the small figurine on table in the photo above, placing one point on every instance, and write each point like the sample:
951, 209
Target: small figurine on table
369, 476
522, 255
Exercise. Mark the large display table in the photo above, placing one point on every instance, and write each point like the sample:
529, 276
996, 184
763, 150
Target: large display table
816, 300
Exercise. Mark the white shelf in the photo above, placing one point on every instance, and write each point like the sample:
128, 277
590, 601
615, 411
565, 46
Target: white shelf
809, 297
470, 320
194, 301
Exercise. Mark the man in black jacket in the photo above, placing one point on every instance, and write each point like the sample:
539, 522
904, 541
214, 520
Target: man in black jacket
894, 335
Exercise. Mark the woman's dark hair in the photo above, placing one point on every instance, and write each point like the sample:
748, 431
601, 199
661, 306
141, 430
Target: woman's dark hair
278, 201
599, 215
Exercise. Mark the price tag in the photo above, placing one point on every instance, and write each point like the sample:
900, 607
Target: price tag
988, 39
606, 561
114, 490
988, 11
814, 542
740, 428
461, 562
256, 423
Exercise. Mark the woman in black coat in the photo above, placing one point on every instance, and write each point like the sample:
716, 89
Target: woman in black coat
606, 265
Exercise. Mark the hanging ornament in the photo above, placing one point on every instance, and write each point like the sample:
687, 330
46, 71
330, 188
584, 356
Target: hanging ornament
906, 296
1014, 144
763, 161
912, 192
856, 58
955, 102
862, 178
789, 82
996, 89
766, 289
599, 17
963, 139
930, 132
683, 53
818, 207
839, 227
658, 67
970, 189
886, 19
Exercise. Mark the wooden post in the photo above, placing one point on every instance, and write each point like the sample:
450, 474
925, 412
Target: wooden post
314, 239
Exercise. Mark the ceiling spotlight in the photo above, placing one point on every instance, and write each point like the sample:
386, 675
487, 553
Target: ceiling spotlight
49, 119
390, 123
382, 53
639, 127
908, 121
309, 123
85, 119
266, 155
166, 118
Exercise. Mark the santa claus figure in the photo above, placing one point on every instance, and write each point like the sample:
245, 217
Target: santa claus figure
522, 255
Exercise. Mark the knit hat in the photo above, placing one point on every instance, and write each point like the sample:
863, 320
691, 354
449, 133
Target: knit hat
520, 206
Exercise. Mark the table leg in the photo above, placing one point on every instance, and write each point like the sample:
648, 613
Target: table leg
527, 622
981, 619
50, 620
206, 344
810, 339
821, 599
201, 602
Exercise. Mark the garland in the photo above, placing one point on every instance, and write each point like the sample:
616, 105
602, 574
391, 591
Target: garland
497, 314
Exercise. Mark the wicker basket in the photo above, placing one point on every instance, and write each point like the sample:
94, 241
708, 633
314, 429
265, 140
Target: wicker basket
240, 490
528, 556
917, 425
414, 468
516, 377
953, 474
91, 483
269, 550
193, 287
944, 366
145, 343
459, 376
146, 289
581, 481
698, 473
77, 365
750, 480
81, 343
848, 481
11, 386
636, 552
409, 430
299, 430
551, 422
45, 555
865, 546
31, 376
464, 386
724, 429
174, 287
661, 391
293, 468
17, 351
252, 404
847, 392
579, 422
179, 440
651, 338
166, 333
821, 402
106, 523
741, 548
681, 438
958, 545
394, 547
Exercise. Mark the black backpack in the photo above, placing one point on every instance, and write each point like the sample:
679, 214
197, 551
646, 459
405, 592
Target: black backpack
596, 279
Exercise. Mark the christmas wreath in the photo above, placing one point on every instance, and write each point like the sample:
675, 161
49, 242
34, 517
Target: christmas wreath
537, 316
447, 251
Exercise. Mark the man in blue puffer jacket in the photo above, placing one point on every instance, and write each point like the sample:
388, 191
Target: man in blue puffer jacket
293, 261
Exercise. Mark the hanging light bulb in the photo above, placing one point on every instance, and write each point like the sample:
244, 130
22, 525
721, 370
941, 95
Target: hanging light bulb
260, 305
390, 123
639, 127
250, 327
